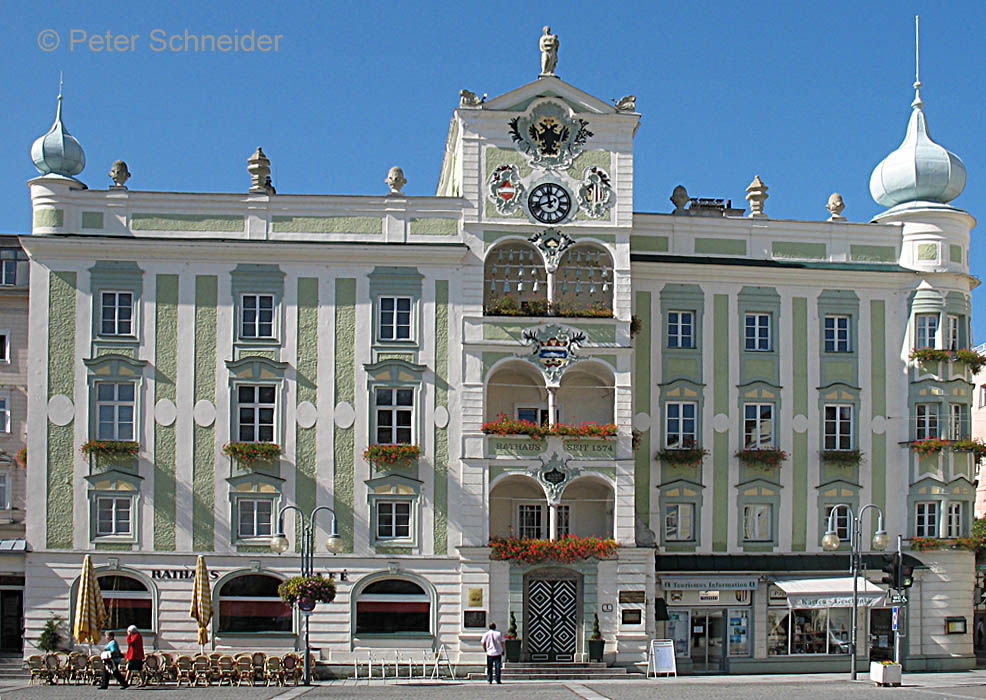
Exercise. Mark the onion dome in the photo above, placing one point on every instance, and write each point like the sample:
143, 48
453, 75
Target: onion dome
58, 152
919, 170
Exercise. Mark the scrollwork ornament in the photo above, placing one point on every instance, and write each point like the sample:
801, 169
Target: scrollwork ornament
550, 137
505, 189
554, 348
595, 193
552, 243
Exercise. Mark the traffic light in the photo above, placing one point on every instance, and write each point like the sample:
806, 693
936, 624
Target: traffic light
907, 577
891, 565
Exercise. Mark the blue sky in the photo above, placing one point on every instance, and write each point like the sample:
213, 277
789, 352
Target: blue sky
809, 95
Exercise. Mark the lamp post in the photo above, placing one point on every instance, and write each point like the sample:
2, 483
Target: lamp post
279, 544
831, 542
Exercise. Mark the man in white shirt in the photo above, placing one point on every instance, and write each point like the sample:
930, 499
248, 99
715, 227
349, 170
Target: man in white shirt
492, 642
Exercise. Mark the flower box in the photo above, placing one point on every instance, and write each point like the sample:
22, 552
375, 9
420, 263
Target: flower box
385, 456
764, 459
110, 448
841, 458
885, 673
974, 360
687, 457
505, 425
567, 549
250, 452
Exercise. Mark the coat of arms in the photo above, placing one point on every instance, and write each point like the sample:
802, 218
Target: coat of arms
554, 348
505, 189
549, 136
596, 192
552, 243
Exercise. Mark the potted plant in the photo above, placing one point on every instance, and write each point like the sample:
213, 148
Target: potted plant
885, 672
306, 591
51, 634
596, 641
511, 642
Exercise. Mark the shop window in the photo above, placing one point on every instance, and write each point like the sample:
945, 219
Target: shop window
127, 601
838, 427
256, 316
250, 603
926, 329
808, 631
757, 337
837, 334
256, 407
393, 606
681, 329
926, 519
954, 525
679, 522
680, 424
394, 415
115, 410
757, 524
758, 426
395, 318
116, 313
926, 421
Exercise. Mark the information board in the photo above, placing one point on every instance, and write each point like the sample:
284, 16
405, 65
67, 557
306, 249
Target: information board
661, 659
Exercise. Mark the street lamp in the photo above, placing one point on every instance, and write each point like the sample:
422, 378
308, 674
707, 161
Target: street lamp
831, 542
279, 545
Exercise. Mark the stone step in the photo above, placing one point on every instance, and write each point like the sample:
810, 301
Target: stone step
532, 666
560, 676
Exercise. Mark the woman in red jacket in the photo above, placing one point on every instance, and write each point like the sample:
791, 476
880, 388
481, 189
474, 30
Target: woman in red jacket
135, 655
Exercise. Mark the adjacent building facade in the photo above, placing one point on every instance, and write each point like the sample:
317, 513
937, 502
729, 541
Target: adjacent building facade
756, 373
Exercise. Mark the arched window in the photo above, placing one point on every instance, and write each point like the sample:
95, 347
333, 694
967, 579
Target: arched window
127, 601
250, 603
515, 281
393, 605
584, 281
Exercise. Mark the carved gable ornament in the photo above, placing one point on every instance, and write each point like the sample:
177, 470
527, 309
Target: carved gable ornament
554, 348
554, 475
549, 137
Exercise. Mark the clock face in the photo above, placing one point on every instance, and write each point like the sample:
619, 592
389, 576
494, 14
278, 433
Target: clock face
549, 203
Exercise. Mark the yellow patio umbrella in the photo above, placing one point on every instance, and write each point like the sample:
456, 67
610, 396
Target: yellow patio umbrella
90, 612
202, 600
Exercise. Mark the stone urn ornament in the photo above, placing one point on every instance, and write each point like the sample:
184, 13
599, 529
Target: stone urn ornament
395, 180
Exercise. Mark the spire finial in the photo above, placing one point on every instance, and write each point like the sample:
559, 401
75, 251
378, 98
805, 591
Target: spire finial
918, 103
58, 111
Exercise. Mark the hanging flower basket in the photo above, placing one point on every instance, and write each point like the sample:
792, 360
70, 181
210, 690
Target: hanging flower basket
22, 457
765, 459
108, 448
391, 455
841, 458
687, 457
305, 591
535, 551
250, 452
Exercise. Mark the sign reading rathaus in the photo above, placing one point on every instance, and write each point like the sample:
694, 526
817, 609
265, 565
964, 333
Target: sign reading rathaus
675, 406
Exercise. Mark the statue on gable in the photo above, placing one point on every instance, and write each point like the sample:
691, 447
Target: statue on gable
549, 52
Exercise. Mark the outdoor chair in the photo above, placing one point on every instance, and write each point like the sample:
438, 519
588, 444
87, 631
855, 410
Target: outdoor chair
244, 670
184, 671
202, 667
168, 670
94, 669
291, 667
36, 666
227, 669
259, 659
152, 669
53, 667
78, 666
273, 671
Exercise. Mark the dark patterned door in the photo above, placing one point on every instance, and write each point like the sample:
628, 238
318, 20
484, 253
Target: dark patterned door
552, 612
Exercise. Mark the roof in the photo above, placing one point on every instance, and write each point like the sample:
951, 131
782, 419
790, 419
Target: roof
14, 544
667, 563
749, 262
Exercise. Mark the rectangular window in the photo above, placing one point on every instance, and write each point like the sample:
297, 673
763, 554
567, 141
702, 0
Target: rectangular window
255, 516
982, 396
393, 519
256, 405
4, 413
926, 519
113, 515
10, 260
534, 414
564, 521
838, 427
841, 522
257, 316
4, 490
954, 339
4, 346
681, 329
927, 421
927, 329
953, 523
116, 313
115, 410
395, 410
756, 522
679, 519
837, 334
530, 521
395, 318
680, 425
958, 421
758, 332
758, 426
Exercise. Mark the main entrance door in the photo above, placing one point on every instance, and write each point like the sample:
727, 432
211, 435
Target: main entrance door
707, 634
551, 619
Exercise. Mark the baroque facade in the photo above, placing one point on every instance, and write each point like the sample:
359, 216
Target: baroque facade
526, 289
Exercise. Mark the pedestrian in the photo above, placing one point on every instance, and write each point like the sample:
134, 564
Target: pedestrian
111, 658
135, 655
492, 642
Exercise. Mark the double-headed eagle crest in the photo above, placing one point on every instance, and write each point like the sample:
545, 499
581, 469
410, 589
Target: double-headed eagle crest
549, 136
